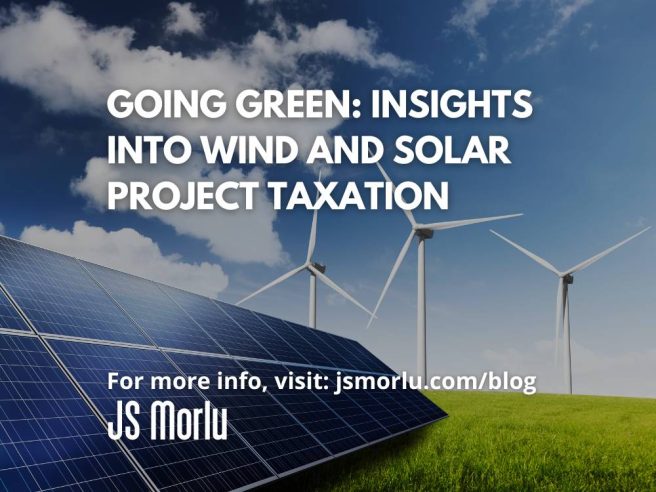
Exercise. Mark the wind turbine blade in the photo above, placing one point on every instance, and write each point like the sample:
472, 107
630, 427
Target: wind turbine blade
440, 226
313, 237
590, 261
533, 256
390, 278
407, 213
280, 279
312, 244
336, 288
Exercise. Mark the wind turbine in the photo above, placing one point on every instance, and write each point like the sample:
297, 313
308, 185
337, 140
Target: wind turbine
422, 232
316, 270
565, 279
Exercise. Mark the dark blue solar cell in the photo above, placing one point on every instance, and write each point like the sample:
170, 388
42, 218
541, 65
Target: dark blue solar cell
344, 352
396, 403
9, 317
265, 336
185, 465
293, 337
409, 407
366, 358
347, 349
264, 423
219, 325
325, 344
49, 437
163, 320
59, 297
426, 408
376, 406
352, 412
327, 426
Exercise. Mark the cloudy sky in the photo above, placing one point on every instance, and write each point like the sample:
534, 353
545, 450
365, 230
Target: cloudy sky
583, 170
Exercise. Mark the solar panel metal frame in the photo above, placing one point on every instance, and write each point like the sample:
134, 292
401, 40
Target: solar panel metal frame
8, 311
307, 336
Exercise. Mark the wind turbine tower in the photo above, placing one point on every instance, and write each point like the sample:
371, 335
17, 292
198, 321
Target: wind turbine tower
422, 232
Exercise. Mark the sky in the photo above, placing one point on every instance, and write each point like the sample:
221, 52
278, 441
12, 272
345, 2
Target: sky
582, 173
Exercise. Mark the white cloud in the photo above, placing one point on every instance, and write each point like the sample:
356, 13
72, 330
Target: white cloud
467, 19
565, 10
585, 30
472, 12
183, 19
72, 66
621, 374
638, 222
2, 228
335, 38
129, 251
243, 237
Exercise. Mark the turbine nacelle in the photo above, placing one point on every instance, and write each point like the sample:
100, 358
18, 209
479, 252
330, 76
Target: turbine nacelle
317, 271
568, 278
422, 233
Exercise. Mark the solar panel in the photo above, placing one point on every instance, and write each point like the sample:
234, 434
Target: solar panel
265, 336
337, 346
348, 409
375, 406
191, 465
410, 407
9, 317
218, 324
49, 438
108, 321
324, 344
59, 297
348, 349
428, 411
274, 433
402, 409
366, 358
166, 323
294, 338
327, 426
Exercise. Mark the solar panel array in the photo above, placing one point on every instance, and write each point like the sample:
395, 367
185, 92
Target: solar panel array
65, 324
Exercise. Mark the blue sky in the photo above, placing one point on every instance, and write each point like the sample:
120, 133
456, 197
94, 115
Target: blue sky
583, 170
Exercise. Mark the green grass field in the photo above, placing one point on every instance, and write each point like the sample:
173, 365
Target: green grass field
496, 441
